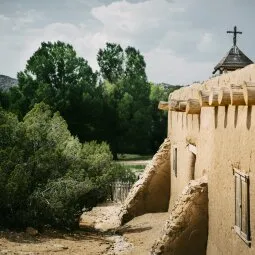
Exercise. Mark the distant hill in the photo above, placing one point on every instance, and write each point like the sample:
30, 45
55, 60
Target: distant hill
167, 85
7, 82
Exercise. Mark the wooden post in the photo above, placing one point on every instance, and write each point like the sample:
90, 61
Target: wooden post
203, 97
249, 93
193, 106
224, 96
213, 97
174, 105
236, 95
163, 106
182, 106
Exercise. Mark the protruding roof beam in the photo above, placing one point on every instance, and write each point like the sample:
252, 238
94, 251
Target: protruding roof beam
236, 95
224, 96
193, 106
249, 93
163, 106
203, 97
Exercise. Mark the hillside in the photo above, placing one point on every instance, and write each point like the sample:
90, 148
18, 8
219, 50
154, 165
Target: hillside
7, 82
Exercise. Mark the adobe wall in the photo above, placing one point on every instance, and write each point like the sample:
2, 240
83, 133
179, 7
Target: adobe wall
185, 232
150, 193
224, 137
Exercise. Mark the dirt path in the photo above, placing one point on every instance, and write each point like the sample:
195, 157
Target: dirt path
134, 238
103, 217
142, 232
54, 243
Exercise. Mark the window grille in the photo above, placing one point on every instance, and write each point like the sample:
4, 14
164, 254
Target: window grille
242, 216
175, 162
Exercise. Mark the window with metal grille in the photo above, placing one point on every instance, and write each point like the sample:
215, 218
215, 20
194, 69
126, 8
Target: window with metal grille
242, 217
175, 161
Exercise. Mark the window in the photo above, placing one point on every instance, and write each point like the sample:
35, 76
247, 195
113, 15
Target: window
242, 217
175, 161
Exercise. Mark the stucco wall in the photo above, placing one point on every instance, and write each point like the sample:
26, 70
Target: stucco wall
186, 230
224, 137
151, 192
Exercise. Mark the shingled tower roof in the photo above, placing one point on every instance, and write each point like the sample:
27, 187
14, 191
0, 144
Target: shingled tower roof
234, 59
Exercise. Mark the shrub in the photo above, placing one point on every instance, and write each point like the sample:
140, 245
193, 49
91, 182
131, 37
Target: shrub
46, 175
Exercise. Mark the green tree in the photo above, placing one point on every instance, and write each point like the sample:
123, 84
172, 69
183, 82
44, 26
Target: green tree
110, 61
159, 92
66, 82
126, 97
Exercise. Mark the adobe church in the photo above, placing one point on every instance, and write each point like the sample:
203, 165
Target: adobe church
204, 172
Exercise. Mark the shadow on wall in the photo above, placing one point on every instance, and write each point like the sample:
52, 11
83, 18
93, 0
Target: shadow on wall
236, 114
248, 119
186, 231
151, 193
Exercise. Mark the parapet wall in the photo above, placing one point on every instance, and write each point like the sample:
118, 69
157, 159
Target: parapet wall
246, 74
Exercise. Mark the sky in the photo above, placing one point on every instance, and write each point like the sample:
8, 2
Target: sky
181, 40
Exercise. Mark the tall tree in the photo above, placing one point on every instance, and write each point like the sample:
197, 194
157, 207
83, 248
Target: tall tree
127, 98
58, 77
110, 61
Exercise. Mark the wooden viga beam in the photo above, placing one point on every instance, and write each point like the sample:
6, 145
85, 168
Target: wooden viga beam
177, 105
203, 97
182, 106
224, 96
236, 95
213, 97
163, 106
249, 93
193, 106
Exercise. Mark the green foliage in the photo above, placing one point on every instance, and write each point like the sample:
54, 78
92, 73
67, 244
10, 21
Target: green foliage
120, 109
110, 61
46, 175
57, 76
60, 201
126, 98
159, 92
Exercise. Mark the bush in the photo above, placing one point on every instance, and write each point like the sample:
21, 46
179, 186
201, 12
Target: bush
46, 175
59, 203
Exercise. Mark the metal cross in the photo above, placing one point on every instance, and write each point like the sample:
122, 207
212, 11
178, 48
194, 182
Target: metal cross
235, 32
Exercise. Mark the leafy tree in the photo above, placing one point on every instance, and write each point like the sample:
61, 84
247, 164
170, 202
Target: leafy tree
135, 64
126, 97
4, 99
61, 79
159, 92
110, 61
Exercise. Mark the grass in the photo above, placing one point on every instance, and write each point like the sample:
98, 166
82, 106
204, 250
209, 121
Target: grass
134, 162
127, 157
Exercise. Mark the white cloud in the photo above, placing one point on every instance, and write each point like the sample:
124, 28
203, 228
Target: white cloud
181, 40
205, 42
22, 20
3, 18
164, 65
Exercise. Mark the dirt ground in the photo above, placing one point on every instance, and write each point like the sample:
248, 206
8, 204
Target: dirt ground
53, 243
142, 232
134, 238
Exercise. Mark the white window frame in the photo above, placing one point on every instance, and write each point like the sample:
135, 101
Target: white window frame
242, 209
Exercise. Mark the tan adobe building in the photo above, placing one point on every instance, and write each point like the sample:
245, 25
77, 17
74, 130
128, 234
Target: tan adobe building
204, 172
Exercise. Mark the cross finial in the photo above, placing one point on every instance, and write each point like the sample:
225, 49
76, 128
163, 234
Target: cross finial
235, 32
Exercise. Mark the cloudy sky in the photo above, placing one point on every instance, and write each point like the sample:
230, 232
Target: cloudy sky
181, 40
